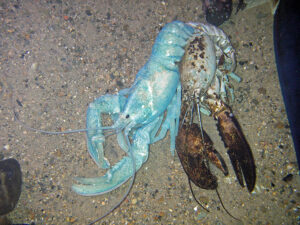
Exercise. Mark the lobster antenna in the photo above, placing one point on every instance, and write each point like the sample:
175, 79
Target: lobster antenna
192, 112
195, 196
111, 132
16, 117
185, 115
224, 206
128, 190
200, 122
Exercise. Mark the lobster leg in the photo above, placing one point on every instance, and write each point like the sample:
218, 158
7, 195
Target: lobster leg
196, 153
110, 104
171, 121
234, 140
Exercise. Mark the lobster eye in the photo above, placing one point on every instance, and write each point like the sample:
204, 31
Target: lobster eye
127, 116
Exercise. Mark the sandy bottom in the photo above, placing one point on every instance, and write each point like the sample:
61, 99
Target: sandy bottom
58, 56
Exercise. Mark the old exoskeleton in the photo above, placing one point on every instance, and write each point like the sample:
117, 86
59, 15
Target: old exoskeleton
206, 73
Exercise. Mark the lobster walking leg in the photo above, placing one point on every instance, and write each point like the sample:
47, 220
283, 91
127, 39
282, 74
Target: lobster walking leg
171, 121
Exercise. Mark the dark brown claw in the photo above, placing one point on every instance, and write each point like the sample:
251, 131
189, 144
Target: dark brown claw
195, 151
238, 148
195, 155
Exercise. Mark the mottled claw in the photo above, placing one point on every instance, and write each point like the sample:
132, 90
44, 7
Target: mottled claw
196, 154
239, 150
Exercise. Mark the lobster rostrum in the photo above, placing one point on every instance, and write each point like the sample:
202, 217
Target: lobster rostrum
206, 73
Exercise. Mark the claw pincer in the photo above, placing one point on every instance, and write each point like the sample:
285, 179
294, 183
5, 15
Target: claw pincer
196, 153
234, 140
206, 70
138, 112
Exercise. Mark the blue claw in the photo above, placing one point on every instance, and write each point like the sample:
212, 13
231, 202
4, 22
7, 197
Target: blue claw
114, 177
122, 170
110, 104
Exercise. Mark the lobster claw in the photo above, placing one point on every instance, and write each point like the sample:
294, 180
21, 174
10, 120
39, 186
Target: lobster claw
195, 154
238, 148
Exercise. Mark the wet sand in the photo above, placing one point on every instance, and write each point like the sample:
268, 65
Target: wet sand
59, 56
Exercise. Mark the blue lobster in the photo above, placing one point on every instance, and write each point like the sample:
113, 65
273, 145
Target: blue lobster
138, 112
